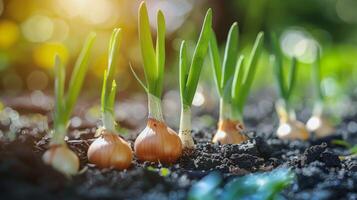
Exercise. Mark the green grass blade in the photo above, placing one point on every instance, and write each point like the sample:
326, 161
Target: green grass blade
292, 78
147, 49
278, 66
138, 79
198, 58
237, 81
230, 54
316, 77
183, 71
160, 51
78, 74
251, 68
216, 62
59, 90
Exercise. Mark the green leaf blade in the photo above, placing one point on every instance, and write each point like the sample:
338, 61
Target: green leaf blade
292, 78
198, 58
59, 90
160, 51
277, 62
216, 62
237, 81
251, 68
230, 54
183, 71
147, 49
78, 74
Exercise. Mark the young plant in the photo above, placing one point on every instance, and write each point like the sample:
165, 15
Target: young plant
189, 76
233, 80
59, 155
289, 127
157, 142
110, 150
318, 123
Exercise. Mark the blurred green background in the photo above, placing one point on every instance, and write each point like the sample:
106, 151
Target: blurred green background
33, 31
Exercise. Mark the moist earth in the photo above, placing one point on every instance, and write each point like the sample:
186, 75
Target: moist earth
323, 169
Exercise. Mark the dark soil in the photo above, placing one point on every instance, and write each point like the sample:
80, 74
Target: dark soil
323, 170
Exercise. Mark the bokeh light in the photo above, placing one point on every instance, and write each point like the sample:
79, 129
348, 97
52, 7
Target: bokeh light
347, 10
37, 28
295, 42
44, 54
9, 33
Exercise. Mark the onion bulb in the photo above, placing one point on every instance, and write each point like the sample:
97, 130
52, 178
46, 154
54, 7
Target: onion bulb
61, 158
158, 143
320, 126
292, 130
229, 132
110, 150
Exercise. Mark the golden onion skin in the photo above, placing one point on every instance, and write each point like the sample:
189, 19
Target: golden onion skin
292, 130
229, 132
158, 143
61, 158
110, 150
320, 126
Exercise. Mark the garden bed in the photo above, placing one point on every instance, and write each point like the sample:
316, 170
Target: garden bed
322, 169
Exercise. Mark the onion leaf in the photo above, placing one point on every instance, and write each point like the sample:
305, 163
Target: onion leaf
250, 69
147, 50
230, 55
79, 71
216, 62
183, 70
197, 60
160, 51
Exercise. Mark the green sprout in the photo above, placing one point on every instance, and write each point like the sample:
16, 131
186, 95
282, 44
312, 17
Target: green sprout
233, 80
189, 77
64, 103
157, 142
59, 156
153, 59
289, 128
285, 85
318, 123
109, 149
109, 91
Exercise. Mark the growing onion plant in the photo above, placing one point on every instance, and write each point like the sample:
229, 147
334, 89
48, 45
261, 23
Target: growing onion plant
290, 128
59, 155
189, 77
157, 142
109, 149
233, 79
318, 123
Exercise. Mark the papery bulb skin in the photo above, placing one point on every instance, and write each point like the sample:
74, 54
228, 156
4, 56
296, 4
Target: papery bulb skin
292, 130
158, 143
320, 126
229, 132
110, 150
61, 158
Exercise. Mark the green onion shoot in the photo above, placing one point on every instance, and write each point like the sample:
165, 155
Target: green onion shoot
318, 123
59, 155
189, 77
233, 79
157, 142
110, 150
289, 128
